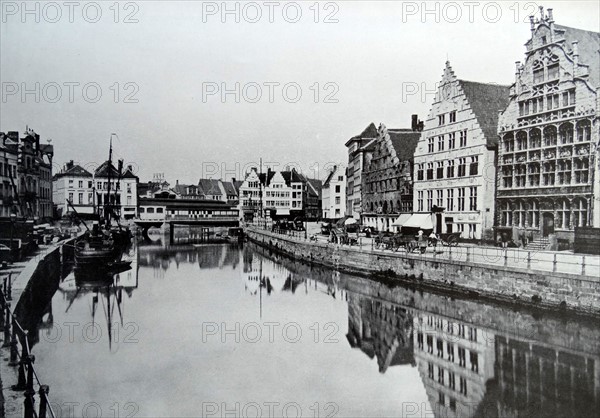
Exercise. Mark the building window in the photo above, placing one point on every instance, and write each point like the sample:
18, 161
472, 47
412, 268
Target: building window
452, 140
461, 199
506, 214
450, 351
90, 198
566, 133
462, 167
441, 143
429, 200
440, 198
564, 172
580, 212
430, 371
584, 132
535, 138
473, 169
521, 141
450, 200
420, 171
450, 169
553, 72
581, 170
429, 171
420, 201
538, 72
337, 200
533, 217
440, 169
534, 175
81, 184
563, 213
430, 145
520, 214
507, 172
549, 136
462, 362
453, 116
473, 198
441, 120
463, 386
509, 143
71, 197
463, 138
520, 175
80, 198
549, 169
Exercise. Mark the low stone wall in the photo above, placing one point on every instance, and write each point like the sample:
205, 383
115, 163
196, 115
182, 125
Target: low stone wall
542, 289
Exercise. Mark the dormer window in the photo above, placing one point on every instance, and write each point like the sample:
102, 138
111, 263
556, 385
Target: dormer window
553, 72
441, 119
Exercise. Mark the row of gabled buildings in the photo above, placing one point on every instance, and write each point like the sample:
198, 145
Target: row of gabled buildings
25, 176
487, 155
280, 194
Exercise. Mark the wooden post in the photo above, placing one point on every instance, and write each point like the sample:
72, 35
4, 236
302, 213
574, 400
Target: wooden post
467, 260
583, 265
7, 325
13, 345
554, 264
9, 290
528, 260
505, 257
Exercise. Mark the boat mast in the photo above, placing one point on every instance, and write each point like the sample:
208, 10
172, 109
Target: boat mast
107, 205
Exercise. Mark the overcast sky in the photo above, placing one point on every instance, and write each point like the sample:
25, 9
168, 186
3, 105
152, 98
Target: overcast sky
168, 54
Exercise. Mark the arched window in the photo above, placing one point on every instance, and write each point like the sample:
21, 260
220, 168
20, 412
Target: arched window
563, 214
535, 138
509, 142
580, 212
520, 214
584, 131
549, 136
391, 206
566, 133
521, 140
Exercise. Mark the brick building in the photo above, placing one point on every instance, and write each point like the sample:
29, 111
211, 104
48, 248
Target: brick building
358, 148
548, 156
387, 178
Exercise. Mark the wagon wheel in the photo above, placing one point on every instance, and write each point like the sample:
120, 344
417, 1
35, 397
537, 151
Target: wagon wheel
452, 241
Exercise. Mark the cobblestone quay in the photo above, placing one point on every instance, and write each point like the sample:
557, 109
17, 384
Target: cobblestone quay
545, 289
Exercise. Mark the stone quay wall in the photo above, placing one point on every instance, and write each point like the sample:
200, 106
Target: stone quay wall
553, 290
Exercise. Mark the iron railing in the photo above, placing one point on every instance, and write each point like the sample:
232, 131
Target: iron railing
28, 379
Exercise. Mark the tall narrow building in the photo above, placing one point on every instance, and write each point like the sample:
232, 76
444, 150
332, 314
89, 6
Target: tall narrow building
549, 134
455, 156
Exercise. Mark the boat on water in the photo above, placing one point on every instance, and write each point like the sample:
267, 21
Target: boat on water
104, 244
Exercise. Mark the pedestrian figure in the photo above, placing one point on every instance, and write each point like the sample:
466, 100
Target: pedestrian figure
433, 239
504, 240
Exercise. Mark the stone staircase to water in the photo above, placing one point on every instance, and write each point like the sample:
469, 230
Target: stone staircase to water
538, 244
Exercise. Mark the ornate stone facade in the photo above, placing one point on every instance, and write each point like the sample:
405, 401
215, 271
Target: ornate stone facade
547, 160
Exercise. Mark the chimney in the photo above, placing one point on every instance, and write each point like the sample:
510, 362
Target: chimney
550, 15
575, 57
37, 142
415, 122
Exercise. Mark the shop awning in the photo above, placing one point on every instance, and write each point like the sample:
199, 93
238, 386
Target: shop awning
419, 220
402, 219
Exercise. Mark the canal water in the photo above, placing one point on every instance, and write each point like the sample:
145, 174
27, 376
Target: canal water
229, 330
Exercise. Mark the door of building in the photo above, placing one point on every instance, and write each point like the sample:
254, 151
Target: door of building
438, 223
547, 224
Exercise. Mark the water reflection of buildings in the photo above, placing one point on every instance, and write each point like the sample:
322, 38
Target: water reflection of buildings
207, 256
474, 359
380, 329
455, 361
469, 370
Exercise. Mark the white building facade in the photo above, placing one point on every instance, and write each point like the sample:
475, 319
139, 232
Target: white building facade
455, 174
334, 194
